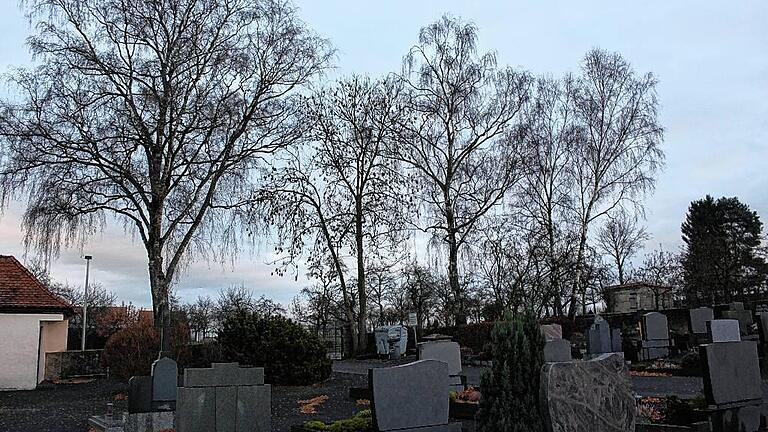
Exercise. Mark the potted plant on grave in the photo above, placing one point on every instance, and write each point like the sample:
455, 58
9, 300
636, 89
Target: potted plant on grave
464, 404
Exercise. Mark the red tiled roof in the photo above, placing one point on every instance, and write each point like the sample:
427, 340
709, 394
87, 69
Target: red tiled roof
21, 290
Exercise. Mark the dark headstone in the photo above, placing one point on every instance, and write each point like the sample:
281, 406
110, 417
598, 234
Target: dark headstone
594, 395
655, 331
744, 317
165, 379
731, 373
616, 340
697, 319
140, 394
557, 350
411, 397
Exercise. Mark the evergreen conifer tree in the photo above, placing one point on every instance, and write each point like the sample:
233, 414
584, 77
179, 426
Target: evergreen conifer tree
510, 389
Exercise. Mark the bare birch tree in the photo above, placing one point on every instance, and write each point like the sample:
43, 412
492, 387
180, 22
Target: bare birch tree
462, 135
621, 237
618, 153
151, 113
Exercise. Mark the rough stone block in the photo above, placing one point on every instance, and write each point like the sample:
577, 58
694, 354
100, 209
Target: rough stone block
731, 373
410, 396
558, 350
723, 330
594, 395
447, 352
697, 319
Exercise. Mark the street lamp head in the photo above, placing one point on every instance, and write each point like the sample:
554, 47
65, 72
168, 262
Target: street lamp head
88, 257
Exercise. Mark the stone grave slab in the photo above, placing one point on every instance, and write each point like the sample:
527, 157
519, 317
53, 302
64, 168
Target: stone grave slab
594, 395
697, 319
557, 350
762, 326
411, 397
731, 373
744, 317
552, 331
724, 330
448, 352
224, 398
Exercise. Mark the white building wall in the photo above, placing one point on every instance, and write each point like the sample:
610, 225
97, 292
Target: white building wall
22, 363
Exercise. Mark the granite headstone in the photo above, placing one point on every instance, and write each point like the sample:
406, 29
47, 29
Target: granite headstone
724, 330
165, 379
411, 397
697, 319
552, 331
744, 317
599, 338
731, 373
557, 350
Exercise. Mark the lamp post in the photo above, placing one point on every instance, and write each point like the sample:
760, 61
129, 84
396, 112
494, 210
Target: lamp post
85, 298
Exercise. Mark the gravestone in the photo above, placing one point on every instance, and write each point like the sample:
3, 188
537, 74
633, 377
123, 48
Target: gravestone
447, 352
411, 397
165, 379
616, 340
697, 320
737, 312
724, 330
731, 373
593, 395
552, 331
557, 350
599, 337
762, 326
655, 336
224, 397
157, 392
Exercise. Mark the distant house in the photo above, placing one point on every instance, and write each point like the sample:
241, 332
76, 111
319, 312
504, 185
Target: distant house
638, 296
33, 322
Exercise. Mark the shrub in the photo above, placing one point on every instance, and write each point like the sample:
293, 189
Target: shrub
681, 412
510, 399
289, 354
131, 351
360, 422
198, 355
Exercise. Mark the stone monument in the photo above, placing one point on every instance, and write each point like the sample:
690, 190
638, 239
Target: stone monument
411, 398
593, 395
225, 397
655, 336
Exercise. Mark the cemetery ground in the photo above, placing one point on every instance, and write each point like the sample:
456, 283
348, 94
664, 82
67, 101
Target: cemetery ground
66, 407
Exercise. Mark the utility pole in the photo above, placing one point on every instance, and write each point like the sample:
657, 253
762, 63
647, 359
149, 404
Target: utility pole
85, 298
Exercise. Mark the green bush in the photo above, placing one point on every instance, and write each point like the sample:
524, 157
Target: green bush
198, 355
360, 422
289, 354
131, 351
510, 401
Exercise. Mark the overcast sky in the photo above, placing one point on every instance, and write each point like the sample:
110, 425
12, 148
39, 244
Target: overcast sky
711, 58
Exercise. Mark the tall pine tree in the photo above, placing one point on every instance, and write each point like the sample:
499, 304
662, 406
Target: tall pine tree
510, 400
723, 259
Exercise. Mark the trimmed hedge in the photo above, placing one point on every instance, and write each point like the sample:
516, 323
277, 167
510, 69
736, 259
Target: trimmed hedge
289, 354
